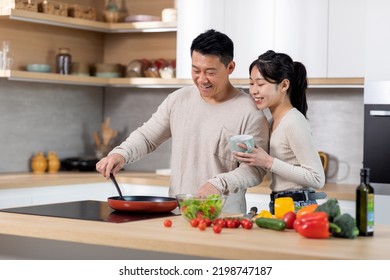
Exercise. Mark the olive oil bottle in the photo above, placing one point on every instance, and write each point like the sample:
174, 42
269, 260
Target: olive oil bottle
365, 204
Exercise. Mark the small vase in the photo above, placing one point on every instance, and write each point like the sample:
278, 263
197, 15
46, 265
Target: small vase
111, 12
53, 162
39, 163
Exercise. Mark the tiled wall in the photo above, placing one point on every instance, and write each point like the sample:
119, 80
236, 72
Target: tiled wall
336, 117
42, 117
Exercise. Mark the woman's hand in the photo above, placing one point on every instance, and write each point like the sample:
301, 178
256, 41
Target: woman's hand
258, 157
110, 164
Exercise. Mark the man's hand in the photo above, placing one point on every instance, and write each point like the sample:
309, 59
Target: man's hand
207, 189
110, 164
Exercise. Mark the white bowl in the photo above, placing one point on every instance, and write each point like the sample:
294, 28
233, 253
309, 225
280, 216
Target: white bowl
45, 68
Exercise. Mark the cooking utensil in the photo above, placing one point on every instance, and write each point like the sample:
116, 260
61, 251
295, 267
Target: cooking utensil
112, 177
152, 204
146, 204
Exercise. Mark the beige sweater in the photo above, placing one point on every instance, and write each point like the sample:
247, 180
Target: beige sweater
200, 152
297, 163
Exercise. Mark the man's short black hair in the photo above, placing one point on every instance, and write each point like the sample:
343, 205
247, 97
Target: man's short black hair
216, 43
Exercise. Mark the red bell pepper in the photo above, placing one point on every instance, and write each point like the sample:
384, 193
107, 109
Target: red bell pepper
314, 225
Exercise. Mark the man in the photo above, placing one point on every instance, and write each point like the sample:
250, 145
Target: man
200, 119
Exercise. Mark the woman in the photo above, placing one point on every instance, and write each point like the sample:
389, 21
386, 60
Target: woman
279, 83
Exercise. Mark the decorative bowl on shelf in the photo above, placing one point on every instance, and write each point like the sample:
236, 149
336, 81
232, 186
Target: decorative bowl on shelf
44, 68
195, 206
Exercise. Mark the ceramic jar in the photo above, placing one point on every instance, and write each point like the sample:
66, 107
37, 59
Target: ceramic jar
111, 12
53, 162
39, 163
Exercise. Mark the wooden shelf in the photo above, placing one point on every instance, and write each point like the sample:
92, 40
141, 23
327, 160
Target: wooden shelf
336, 82
136, 27
150, 26
156, 82
54, 78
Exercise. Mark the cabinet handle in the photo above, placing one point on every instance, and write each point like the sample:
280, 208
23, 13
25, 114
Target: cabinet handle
380, 113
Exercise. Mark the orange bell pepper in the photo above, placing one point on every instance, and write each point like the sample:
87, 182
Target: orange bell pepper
306, 209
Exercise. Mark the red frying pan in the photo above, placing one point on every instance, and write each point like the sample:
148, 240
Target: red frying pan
134, 203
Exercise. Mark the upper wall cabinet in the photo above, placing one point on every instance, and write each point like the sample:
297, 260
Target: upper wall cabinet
249, 24
301, 30
346, 43
194, 17
251, 27
323, 34
378, 41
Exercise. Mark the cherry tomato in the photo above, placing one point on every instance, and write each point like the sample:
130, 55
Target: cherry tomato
194, 222
247, 224
289, 218
217, 228
230, 223
237, 222
202, 225
167, 223
207, 221
221, 223
199, 215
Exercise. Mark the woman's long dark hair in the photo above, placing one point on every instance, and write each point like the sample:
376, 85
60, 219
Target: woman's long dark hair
275, 67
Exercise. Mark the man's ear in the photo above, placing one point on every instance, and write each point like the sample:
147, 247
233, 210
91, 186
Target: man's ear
231, 66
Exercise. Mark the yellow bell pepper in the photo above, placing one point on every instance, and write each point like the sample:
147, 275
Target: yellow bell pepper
264, 214
283, 205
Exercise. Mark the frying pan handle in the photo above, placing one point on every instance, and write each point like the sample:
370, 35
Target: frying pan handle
112, 177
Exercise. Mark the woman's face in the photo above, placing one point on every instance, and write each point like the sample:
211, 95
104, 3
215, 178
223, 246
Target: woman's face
265, 94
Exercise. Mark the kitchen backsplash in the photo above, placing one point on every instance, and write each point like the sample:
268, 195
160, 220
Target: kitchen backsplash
42, 117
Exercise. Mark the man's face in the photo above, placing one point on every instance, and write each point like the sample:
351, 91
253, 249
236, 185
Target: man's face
211, 76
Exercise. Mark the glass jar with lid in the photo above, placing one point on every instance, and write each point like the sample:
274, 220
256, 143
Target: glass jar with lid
63, 61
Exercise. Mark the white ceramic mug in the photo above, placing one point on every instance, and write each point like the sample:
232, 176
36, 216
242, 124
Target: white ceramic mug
241, 139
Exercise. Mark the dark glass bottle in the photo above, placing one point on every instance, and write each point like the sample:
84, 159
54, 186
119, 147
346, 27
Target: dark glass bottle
63, 61
365, 204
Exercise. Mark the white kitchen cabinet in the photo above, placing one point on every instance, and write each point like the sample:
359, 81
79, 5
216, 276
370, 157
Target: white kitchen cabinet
377, 41
301, 30
298, 28
346, 43
248, 23
193, 18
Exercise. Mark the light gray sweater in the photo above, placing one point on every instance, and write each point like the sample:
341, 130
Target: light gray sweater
200, 152
296, 163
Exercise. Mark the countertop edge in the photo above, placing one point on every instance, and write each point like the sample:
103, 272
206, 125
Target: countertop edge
30, 180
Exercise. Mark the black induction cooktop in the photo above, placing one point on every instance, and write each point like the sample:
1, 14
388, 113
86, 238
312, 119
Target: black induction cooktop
86, 210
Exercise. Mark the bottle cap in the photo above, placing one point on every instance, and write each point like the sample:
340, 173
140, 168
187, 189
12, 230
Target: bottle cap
365, 172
